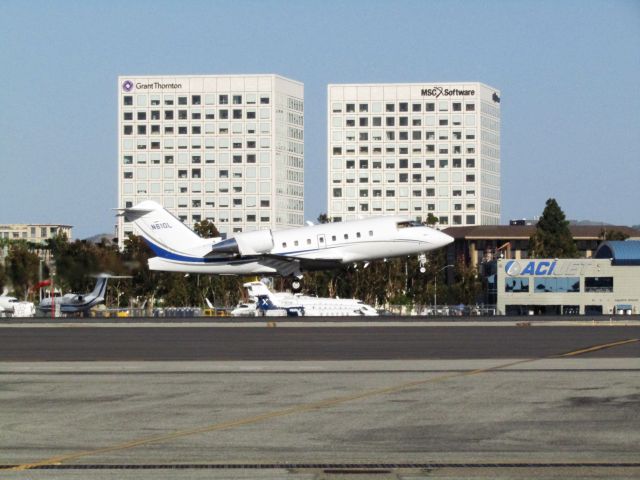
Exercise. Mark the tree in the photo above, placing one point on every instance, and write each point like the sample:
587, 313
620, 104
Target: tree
23, 268
145, 283
3, 280
552, 238
206, 229
324, 218
467, 288
612, 234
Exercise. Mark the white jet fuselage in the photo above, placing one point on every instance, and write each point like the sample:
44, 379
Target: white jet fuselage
283, 252
345, 242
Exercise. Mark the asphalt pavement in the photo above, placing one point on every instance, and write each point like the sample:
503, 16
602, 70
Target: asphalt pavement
319, 403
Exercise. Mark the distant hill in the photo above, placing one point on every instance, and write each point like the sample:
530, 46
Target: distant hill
592, 223
588, 223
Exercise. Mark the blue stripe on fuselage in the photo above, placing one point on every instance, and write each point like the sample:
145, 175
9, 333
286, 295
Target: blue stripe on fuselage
166, 254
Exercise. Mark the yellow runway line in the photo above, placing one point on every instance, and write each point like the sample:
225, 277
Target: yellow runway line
598, 347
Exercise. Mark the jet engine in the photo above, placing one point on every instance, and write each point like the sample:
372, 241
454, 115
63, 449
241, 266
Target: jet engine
246, 243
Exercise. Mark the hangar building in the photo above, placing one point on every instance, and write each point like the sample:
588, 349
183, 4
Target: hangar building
607, 284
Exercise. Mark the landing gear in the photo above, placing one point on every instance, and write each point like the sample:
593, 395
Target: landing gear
422, 261
295, 282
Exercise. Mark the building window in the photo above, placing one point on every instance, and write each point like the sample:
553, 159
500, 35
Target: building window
598, 284
516, 284
556, 285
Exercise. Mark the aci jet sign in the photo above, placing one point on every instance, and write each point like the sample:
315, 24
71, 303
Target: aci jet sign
542, 268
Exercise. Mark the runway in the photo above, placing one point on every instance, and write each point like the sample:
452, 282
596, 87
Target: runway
319, 403
203, 343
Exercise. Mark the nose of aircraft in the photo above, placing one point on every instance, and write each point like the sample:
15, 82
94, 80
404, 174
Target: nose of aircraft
441, 239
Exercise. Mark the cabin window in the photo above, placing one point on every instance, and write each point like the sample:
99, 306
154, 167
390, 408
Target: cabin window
408, 224
284, 244
358, 235
295, 243
371, 233
308, 241
321, 240
346, 236
333, 237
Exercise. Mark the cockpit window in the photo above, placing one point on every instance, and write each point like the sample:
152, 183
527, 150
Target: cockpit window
408, 224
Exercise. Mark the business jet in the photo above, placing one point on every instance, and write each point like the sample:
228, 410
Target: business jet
79, 302
12, 307
270, 303
7, 302
282, 252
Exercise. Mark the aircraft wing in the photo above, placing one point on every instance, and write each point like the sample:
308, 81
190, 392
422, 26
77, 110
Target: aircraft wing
288, 265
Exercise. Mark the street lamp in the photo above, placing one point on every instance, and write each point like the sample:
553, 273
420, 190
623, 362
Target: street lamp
435, 287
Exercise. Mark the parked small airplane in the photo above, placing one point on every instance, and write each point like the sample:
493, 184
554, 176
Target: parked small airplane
284, 252
13, 307
79, 302
296, 305
6, 302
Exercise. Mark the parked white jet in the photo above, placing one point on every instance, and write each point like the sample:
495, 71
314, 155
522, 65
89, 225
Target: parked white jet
297, 305
7, 303
283, 252
11, 306
79, 302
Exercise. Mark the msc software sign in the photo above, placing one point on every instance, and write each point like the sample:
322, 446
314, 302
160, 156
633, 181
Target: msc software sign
544, 268
445, 92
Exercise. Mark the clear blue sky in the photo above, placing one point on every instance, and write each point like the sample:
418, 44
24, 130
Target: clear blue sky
569, 73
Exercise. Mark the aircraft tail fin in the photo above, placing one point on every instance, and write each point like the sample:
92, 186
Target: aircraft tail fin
262, 294
165, 233
100, 289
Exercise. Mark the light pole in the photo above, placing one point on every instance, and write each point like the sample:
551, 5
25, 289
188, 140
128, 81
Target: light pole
435, 287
